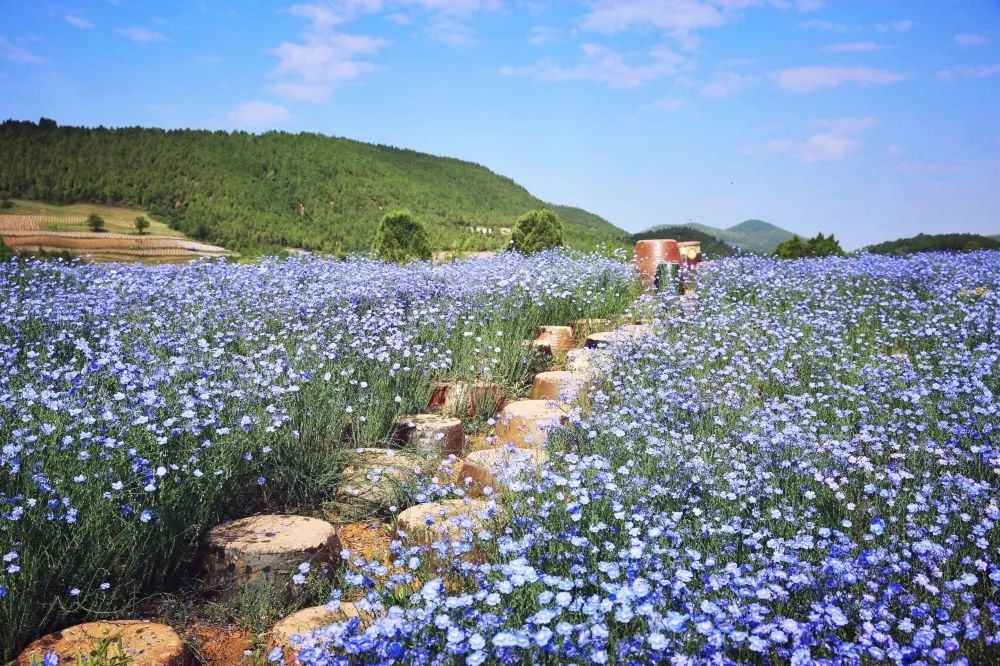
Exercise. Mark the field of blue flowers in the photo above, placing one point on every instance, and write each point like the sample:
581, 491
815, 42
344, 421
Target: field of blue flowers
800, 465
140, 406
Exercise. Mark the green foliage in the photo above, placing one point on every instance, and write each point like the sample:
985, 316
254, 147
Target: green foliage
6, 204
95, 222
141, 224
937, 243
756, 236
817, 246
793, 248
400, 238
260, 193
537, 230
711, 246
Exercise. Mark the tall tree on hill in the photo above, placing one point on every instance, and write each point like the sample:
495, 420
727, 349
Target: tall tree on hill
537, 230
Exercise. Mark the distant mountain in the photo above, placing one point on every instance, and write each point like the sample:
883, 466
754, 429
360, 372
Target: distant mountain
751, 235
263, 193
937, 243
711, 247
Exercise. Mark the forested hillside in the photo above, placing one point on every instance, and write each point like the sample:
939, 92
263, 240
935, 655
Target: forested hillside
711, 247
935, 243
258, 193
750, 235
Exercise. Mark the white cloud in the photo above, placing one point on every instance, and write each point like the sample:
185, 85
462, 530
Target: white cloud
309, 70
208, 59
817, 148
447, 29
829, 26
448, 18
399, 18
725, 84
141, 35
970, 72
971, 39
604, 65
18, 55
836, 143
679, 19
895, 26
809, 79
855, 47
79, 22
820, 24
847, 125
326, 17
543, 34
667, 104
256, 113
930, 168
613, 16
456, 6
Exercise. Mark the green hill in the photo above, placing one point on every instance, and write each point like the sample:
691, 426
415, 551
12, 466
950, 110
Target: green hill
937, 243
260, 193
751, 235
711, 247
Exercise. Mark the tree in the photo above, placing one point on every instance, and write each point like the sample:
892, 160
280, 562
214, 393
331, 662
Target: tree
95, 222
537, 230
824, 246
817, 246
400, 238
141, 224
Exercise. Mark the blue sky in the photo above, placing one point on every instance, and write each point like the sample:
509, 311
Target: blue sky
872, 119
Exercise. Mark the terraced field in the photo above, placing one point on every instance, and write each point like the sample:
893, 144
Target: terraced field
32, 227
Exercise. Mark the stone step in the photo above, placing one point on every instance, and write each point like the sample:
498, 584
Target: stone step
584, 327
499, 468
270, 546
526, 423
143, 644
432, 435
580, 360
560, 385
555, 340
293, 631
458, 398
374, 476
426, 523
598, 340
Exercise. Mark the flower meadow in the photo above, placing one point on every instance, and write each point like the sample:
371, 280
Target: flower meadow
140, 406
799, 465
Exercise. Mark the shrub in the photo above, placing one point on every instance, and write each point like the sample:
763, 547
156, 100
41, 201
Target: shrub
95, 222
141, 224
817, 246
537, 230
400, 238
